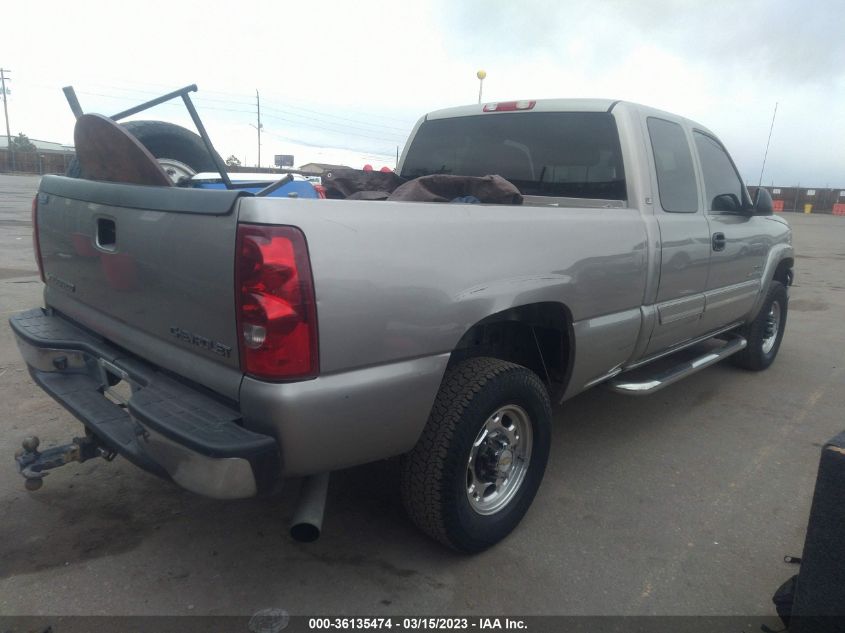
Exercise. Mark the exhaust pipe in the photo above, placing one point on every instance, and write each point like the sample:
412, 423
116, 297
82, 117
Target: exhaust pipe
307, 522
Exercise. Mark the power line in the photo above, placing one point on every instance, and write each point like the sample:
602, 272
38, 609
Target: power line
292, 118
280, 108
299, 119
239, 100
201, 97
170, 104
324, 127
286, 137
341, 118
228, 94
278, 97
318, 116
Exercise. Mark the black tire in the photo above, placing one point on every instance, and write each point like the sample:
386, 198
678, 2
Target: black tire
165, 140
434, 475
761, 350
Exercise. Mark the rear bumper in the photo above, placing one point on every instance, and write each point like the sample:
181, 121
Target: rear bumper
164, 426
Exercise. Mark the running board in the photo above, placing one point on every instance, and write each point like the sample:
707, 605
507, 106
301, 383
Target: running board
648, 384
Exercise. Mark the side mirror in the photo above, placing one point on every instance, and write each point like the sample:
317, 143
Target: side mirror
727, 202
763, 202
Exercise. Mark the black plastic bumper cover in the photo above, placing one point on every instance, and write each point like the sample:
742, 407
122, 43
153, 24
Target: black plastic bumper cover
185, 416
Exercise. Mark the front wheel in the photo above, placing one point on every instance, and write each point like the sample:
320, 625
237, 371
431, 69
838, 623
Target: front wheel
481, 457
765, 333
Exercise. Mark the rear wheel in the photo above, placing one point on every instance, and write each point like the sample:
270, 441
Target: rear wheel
765, 333
480, 460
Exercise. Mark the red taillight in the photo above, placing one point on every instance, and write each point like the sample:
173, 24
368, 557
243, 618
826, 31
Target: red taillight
36, 244
321, 191
509, 106
277, 313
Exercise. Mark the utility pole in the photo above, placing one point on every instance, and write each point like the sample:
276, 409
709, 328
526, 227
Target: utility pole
258, 127
9, 147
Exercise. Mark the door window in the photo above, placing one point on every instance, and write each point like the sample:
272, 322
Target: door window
722, 185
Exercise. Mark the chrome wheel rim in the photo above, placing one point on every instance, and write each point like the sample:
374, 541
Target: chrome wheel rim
498, 460
772, 326
175, 169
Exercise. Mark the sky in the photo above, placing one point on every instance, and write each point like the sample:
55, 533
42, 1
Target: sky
344, 82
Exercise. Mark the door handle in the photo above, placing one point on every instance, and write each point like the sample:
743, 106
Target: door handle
719, 241
106, 234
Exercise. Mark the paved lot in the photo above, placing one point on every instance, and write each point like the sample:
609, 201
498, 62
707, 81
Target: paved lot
682, 503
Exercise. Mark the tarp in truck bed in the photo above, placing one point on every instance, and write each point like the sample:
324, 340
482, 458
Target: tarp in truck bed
353, 184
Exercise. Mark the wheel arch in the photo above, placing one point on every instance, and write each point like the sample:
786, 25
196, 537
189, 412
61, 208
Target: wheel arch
783, 271
536, 335
778, 267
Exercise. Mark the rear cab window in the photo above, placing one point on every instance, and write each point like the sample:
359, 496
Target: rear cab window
676, 182
559, 154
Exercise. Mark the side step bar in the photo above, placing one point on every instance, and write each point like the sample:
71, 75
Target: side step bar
648, 384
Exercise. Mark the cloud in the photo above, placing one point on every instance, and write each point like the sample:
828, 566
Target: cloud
720, 62
355, 76
780, 38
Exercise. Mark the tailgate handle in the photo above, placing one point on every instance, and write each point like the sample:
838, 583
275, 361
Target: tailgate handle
106, 234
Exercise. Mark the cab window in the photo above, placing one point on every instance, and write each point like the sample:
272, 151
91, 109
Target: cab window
560, 154
673, 163
722, 186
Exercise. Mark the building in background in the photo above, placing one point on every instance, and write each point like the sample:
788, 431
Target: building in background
319, 169
48, 157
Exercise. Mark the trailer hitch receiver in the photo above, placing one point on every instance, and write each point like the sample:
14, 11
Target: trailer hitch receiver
33, 464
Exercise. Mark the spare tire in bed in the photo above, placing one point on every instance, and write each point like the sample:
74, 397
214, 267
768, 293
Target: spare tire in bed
165, 141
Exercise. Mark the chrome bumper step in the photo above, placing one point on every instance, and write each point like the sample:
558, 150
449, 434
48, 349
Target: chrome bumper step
646, 380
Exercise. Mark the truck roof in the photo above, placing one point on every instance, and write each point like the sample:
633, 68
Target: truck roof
561, 105
541, 105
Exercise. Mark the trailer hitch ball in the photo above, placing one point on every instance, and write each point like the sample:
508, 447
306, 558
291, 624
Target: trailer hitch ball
33, 484
30, 444
33, 465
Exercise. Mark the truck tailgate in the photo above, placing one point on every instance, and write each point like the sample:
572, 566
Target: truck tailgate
151, 269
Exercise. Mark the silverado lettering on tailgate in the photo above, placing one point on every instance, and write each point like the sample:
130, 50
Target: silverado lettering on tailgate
61, 283
201, 341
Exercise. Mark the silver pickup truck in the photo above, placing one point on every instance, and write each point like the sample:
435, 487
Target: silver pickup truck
228, 341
